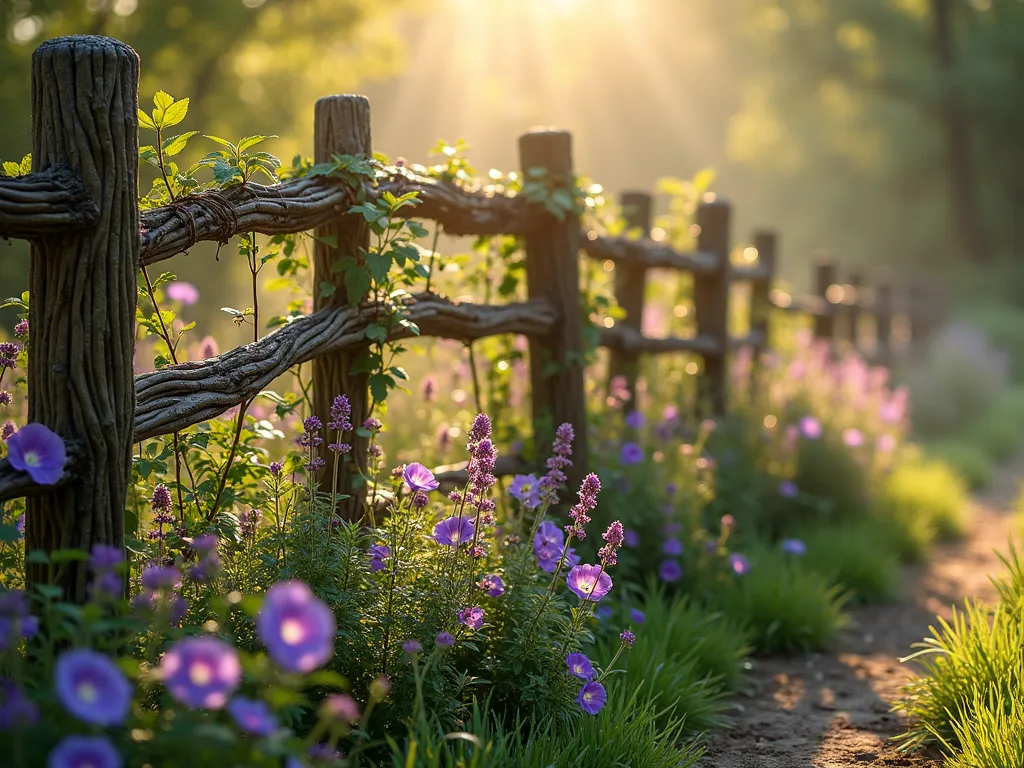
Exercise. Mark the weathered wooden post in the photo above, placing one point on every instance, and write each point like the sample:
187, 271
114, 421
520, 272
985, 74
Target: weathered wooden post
884, 311
552, 272
630, 285
920, 315
854, 309
824, 278
341, 127
711, 303
765, 243
83, 287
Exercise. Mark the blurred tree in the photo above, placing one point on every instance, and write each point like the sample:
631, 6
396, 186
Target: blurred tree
251, 65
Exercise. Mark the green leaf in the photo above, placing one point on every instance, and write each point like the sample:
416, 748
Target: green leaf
145, 121
378, 383
377, 333
357, 284
26, 164
252, 141
12, 169
327, 289
224, 173
175, 113
175, 144
222, 142
231, 311
379, 264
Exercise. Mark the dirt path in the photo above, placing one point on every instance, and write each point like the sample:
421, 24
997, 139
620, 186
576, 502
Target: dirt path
832, 710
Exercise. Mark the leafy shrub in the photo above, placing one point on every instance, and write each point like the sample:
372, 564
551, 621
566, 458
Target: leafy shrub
965, 459
925, 492
856, 556
989, 732
1004, 325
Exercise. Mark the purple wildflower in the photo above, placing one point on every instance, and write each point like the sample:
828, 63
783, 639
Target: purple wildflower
104, 558
632, 538
613, 537
252, 716
580, 666
493, 585
631, 453
589, 582
672, 547
297, 627
84, 752
184, 292
739, 563
21, 329
9, 353
637, 616
92, 687
526, 488
419, 478
453, 531
788, 489
444, 640
201, 672
342, 707
592, 697
378, 554
428, 390
8, 429
16, 709
794, 547
670, 570
561, 450
634, 420
480, 430
472, 617
341, 415
158, 577
39, 451
19, 524
275, 468
5, 397
412, 645
628, 638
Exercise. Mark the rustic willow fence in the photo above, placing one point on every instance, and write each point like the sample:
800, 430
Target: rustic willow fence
79, 208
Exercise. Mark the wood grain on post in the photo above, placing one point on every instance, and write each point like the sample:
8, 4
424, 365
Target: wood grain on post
854, 309
711, 303
83, 285
761, 307
552, 273
824, 278
884, 311
341, 127
630, 285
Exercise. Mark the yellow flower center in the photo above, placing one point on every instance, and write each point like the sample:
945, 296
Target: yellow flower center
32, 459
200, 674
292, 631
589, 696
87, 692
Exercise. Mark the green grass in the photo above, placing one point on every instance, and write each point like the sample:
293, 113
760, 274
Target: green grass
969, 697
968, 460
858, 556
924, 494
785, 606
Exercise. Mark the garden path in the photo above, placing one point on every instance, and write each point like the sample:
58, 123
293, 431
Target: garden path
832, 710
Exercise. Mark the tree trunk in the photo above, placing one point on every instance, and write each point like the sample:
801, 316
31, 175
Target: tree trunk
83, 287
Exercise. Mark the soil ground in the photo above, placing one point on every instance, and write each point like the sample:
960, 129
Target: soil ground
832, 710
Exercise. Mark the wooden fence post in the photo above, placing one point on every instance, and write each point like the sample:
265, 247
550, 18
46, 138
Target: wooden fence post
341, 127
83, 285
884, 311
552, 273
630, 285
761, 308
854, 309
824, 278
920, 314
711, 303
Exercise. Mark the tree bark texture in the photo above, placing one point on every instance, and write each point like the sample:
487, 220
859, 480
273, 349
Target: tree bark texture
83, 287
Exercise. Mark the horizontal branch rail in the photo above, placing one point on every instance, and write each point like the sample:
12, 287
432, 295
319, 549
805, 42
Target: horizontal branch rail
646, 254
42, 203
627, 339
306, 203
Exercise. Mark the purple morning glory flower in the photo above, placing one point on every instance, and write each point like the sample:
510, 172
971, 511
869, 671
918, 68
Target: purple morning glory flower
92, 687
184, 292
672, 546
412, 645
378, 554
794, 547
810, 427
853, 437
548, 534
670, 570
631, 453
493, 585
419, 478
252, 716
788, 489
632, 538
297, 627
201, 672
589, 582
157, 577
592, 697
472, 617
84, 752
603, 612
453, 531
445, 639
580, 666
38, 450
634, 420
739, 563
526, 488
637, 616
